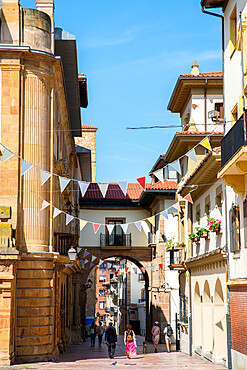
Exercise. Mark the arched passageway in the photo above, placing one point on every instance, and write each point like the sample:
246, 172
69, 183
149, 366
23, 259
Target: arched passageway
197, 328
219, 322
207, 319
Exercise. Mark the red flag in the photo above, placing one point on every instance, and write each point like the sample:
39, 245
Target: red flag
161, 266
121, 266
189, 198
96, 227
116, 273
126, 269
142, 182
97, 267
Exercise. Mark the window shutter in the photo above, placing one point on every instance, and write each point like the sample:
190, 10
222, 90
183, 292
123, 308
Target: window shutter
233, 230
245, 223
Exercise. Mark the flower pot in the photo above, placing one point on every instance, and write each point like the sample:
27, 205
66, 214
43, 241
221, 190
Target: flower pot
204, 235
216, 229
196, 239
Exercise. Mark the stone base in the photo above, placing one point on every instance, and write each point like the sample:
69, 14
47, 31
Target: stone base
76, 335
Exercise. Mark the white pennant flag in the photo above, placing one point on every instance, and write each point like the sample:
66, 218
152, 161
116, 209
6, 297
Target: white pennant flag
159, 174
69, 218
25, 166
124, 227
146, 228
110, 228
6, 155
83, 186
63, 182
94, 258
56, 212
78, 250
124, 186
44, 176
176, 166
192, 155
103, 188
45, 204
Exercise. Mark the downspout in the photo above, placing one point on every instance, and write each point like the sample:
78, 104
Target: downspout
205, 105
228, 317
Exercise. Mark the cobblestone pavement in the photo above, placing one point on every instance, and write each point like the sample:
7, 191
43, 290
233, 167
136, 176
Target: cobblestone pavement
84, 357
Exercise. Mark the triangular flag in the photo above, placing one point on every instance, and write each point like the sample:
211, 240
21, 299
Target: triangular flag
83, 187
152, 268
122, 273
161, 266
86, 261
44, 205
110, 228
56, 212
159, 174
6, 155
152, 220
97, 267
116, 273
142, 182
85, 254
25, 166
192, 155
138, 225
124, 186
126, 269
124, 227
103, 188
69, 218
189, 198
142, 269
176, 206
94, 258
82, 263
44, 176
165, 214
91, 264
96, 227
176, 166
82, 224
145, 227
63, 183
206, 143
78, 250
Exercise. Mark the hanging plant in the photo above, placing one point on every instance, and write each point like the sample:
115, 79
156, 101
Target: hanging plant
214, 224
181, 245
202, 232
169, 243
194, 237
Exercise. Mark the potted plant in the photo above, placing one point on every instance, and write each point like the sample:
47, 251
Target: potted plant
214, 224
169, 243
202, 232
194, 237
182, 245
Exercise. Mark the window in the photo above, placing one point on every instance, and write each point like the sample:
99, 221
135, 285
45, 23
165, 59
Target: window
183, 303
102, 278
234, 115
101, 292
234, 223
207, 206
233, 31
141, 277
219, 198
219, 108
198, 213
101, 305
245, 222
116, 237
112, 276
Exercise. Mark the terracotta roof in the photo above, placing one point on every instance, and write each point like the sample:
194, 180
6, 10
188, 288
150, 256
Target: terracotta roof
207, 74
81, 74
83, 125
199, 133
134, 190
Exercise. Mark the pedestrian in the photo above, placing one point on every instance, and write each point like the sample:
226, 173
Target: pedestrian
111, 339
155, 335
92, 334
130, 341
100, 332
168, 333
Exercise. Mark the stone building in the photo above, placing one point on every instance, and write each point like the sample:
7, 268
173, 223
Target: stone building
38, 122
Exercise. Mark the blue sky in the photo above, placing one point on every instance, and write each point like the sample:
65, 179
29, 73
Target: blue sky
132, 52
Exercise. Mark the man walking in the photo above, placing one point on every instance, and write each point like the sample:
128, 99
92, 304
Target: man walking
111, 339
168, 333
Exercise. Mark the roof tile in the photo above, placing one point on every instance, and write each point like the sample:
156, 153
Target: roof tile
207, 74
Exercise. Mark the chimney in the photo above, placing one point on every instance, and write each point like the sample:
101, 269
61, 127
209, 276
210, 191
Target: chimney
10, 19
195, 69
47, 6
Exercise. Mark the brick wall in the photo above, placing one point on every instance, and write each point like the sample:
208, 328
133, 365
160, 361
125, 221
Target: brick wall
238, 310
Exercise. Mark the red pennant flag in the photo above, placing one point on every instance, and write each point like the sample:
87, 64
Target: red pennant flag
96, 227
126, 269
189, 198
116, 273
142, 269
161, 266
97, 267
142, 182
121, 266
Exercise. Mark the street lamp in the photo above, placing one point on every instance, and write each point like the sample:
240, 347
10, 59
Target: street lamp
72, 253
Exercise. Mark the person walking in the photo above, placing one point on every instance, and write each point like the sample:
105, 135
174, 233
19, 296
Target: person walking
111, 339
100, 332
130, 341
92, 334
155, 335
168, 333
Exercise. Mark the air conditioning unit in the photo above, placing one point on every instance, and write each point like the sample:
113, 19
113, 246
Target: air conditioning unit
214, 114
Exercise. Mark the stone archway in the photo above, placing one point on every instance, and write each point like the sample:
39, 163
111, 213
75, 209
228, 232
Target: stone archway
219, 322
197, 314
207, 319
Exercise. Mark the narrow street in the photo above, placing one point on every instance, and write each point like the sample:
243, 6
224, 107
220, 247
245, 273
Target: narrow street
84, 357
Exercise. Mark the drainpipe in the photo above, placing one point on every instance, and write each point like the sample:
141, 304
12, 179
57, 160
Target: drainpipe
205, 105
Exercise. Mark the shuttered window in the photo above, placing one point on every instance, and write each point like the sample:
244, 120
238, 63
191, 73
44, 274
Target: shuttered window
245, 222
234, 223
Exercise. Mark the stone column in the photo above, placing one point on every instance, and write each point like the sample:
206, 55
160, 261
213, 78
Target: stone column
76, 327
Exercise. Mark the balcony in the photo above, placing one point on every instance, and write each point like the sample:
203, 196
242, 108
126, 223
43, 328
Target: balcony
234, 158
63, 242
151, 239
112, 241
175, 258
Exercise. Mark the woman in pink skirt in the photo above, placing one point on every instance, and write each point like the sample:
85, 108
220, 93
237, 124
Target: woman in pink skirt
130, 341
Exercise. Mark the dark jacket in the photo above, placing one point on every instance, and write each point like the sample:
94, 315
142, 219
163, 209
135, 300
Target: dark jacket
111, 335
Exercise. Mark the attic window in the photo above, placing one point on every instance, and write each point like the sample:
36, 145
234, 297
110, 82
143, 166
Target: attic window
207, 206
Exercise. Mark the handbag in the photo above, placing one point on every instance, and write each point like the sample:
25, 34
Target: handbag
129, 337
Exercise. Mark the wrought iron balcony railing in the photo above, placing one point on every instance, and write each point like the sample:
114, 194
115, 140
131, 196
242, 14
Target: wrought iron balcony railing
232, 141
115, 240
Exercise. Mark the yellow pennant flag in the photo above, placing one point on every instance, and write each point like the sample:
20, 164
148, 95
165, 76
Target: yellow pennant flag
152, 220
82, 224
205, 142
